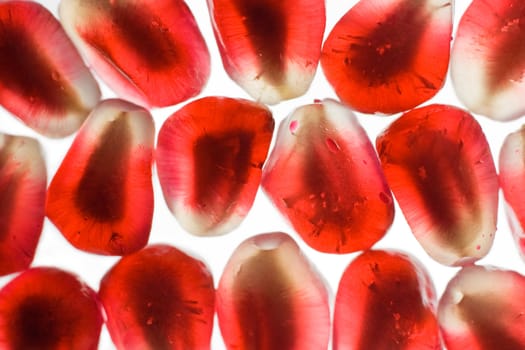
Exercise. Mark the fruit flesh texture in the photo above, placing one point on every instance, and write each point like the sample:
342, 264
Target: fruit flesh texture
47, 308
389, 56
324, 176
488, 59
101, 197
270, 297
482, 309
159, 298
270, 48
385, 300
439, 166
43, 80
149, 52
22, 201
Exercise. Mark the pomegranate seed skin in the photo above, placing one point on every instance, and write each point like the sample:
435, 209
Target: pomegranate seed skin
270, 297
149, 52
482, 309
439, 166
488, 59
270, 48
387, 56
324, 176
159, 298
101, 197
392, 306
43, 80
47, 308
23, 182
209, 158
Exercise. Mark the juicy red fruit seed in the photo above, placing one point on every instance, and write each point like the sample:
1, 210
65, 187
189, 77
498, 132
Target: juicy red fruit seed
482, 309
209, 158
23, 182
270, 48
439, 166
488, 58
269, 297
43, 80
391, 307
150, 52
159, 298
47, 308
324, 177
389, 56
101, 197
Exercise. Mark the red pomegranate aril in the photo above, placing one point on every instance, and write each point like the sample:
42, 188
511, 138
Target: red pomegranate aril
482, 308
391, 306
270, 48
101, 197
439, 166
22, 201
43, 80
488, 59
149, 52
209, 158
512, 180
270, 297
159, 298
387, 56
49, 309
324, 176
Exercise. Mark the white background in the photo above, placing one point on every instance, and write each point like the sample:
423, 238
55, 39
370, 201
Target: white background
54, 250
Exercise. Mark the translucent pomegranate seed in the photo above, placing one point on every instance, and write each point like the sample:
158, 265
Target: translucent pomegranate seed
324, 177
488, 58
209, 157
22, 199
159, 298
482, 308
150, 52
439, 166
512, 175
101, 197
43, 80
391, 306
270, 48
388, 56
269, 297
47, 308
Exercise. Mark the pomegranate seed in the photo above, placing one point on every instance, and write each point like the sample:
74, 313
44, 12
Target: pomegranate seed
43, 80
101, 197
488, 58
439, 166
482, 308
269, 297
270, 48
392, 306
209, 158
23, 193
159, 298
388, 56
47, 308
324, 177
150, 52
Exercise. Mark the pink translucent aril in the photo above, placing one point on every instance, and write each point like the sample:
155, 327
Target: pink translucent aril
324, 176
386, 300
43, 80
439, 166
482, 308
23, 182
269, 297
149, 52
